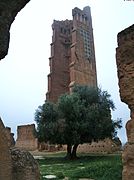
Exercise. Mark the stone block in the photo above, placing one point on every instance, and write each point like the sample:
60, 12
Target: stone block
24, 166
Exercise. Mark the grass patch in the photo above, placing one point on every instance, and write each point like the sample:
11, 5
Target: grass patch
97, 167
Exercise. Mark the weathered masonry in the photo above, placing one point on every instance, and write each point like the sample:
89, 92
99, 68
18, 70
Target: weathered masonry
8, 11
72, 58
10, 137
5, 157
125, 67
26, 137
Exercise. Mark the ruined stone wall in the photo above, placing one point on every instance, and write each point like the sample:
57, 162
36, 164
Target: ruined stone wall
103, 146
8, 11
10, 137
5, 157
50, 147
26, 137
125, 67
14, 163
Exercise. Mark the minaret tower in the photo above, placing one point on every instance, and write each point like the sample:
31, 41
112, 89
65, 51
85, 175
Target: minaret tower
83, 63
59, 77
72, 58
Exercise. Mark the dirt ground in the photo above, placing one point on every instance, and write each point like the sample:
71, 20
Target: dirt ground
42, 153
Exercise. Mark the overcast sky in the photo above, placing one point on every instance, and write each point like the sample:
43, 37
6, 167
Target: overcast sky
23, 73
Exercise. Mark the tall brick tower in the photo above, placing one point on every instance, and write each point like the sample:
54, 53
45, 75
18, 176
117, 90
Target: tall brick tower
72, 58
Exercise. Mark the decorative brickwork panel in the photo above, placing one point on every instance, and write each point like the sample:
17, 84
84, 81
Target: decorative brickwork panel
83, 63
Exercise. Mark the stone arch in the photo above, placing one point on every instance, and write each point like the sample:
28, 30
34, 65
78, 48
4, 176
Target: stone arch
8, 11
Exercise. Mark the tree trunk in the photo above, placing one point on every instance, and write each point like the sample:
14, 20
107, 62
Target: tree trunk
73, 154
69, 151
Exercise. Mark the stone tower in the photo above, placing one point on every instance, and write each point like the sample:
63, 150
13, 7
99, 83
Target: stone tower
72, 58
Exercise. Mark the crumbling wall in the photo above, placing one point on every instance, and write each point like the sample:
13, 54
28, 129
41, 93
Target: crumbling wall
5, 157
26, 137
49, 147
125, 67
10, 137
8, 11
102, 147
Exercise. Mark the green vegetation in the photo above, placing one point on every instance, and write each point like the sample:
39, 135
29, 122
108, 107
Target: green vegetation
97, 167
79, 117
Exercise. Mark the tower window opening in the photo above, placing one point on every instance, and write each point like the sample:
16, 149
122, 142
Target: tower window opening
68, 31
61, 30
65, 31
85, 18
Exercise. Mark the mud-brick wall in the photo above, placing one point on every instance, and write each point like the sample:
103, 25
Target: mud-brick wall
26, 137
